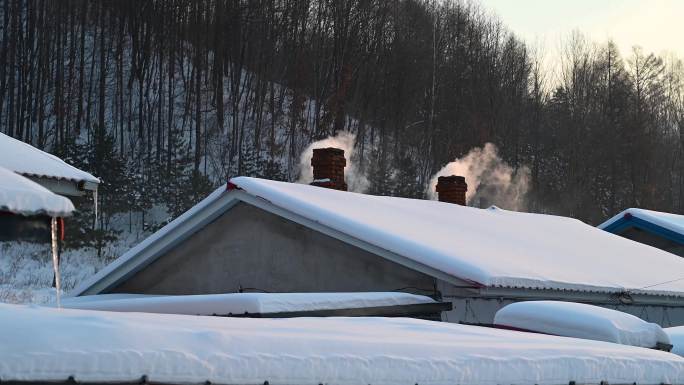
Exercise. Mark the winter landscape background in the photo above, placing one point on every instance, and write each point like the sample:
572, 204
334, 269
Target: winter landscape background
165, 100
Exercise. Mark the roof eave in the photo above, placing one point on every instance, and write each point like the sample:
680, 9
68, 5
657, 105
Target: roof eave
593, 297
63, 186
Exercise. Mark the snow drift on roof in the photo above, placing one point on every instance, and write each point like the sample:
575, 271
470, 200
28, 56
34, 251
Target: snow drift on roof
493, 247
669, 221
47, 344
25, 159
581, 321
19, 195
241, 303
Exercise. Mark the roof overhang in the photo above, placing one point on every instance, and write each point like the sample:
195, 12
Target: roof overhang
64, 186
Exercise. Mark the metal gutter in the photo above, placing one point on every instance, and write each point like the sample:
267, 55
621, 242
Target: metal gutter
614, 298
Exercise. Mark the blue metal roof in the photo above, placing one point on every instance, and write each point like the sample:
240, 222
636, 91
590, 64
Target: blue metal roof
628, 220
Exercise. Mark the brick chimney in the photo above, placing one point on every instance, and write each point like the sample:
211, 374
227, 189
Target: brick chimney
328, 168
452, 189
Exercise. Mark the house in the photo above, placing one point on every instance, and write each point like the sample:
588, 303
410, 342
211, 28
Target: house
27, 208
261, 235
45, 169
662, 230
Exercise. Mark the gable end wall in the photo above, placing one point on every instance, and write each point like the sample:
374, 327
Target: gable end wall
252, 249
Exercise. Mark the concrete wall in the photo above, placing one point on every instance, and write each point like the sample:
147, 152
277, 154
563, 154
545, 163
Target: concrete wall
481, 310
651, 239
250, 248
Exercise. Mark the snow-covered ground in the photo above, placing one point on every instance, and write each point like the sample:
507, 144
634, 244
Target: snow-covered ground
51, 344
26, 271
26, 268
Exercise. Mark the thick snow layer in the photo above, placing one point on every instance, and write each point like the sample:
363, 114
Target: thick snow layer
676, 335
492, 247
241, 303
672, 222
581, 321
48, 344
19, 195
25, 159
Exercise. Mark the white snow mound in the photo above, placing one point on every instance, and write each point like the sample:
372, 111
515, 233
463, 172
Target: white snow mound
581, 321
241, 303
48, 344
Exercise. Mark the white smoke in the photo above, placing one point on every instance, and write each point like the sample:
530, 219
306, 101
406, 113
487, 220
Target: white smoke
344, 140
491, 181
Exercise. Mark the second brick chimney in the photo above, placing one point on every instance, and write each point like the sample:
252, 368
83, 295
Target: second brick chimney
328, 168
452, 189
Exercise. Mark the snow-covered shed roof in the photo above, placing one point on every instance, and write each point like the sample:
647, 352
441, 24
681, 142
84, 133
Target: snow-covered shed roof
19, 195
29, 161
580, 320
264, 304
51, 345
484, 247
667, 225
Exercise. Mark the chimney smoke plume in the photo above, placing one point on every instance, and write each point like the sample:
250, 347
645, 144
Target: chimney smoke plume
491, 181
344, 140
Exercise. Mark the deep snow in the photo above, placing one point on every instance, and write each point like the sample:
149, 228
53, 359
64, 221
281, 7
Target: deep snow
50, 344
240, 303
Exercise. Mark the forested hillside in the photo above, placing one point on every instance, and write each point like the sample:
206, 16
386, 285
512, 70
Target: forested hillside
165, 99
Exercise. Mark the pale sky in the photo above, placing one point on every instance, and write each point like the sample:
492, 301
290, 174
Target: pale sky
656, 25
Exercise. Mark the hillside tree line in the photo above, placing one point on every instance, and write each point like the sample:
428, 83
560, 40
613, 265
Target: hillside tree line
166, 99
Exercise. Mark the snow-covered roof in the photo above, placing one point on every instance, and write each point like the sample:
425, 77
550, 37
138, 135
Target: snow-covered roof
19, 195
27, 160
48, 344
241, 303
485, 247
667, 224
580, 320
